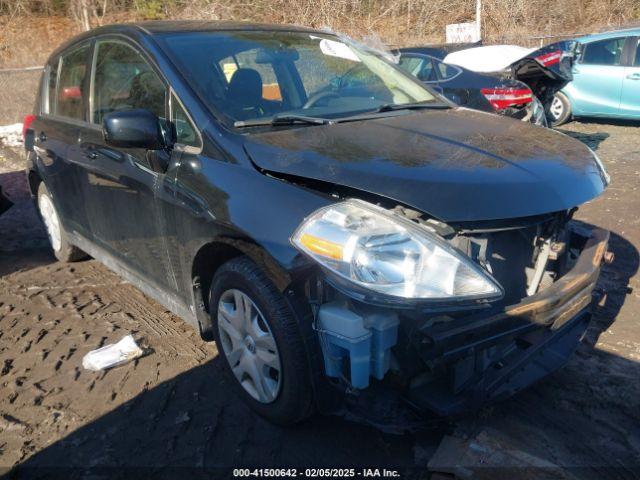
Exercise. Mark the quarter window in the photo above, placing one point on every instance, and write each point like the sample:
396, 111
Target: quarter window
185, 131
603, 52
52, 76
70, 92
124, 80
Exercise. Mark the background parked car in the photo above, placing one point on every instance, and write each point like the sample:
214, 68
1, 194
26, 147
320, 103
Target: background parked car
470, 89
606, 79
545, 70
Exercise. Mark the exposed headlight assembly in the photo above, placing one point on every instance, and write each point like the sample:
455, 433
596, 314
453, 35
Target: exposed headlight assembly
389, 254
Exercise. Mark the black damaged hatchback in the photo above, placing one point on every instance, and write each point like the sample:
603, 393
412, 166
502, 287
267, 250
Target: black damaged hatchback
344, 234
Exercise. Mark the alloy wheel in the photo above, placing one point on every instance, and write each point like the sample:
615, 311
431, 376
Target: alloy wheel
557, 108
249, 346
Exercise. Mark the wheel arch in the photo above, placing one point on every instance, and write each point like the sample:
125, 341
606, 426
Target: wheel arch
34, 180
210, 256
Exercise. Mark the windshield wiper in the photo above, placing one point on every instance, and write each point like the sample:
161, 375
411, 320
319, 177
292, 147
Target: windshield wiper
285, 119
392, 107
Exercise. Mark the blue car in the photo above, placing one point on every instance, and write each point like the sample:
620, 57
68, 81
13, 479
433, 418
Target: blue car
606, 79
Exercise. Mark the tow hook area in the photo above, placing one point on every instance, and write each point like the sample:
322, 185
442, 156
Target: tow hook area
356, 346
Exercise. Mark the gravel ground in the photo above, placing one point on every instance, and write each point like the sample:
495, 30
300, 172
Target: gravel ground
173, 407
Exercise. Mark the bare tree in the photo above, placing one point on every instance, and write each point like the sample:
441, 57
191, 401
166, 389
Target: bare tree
88, 13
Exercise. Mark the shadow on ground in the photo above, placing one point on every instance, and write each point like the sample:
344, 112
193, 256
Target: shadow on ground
193, 424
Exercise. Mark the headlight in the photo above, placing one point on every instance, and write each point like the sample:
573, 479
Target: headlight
389, 254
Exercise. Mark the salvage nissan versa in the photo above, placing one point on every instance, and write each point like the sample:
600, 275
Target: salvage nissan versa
341, 231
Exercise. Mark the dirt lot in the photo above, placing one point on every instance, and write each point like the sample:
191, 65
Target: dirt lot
173, 407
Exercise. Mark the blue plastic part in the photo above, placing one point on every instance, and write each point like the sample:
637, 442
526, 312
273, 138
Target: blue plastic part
362, 343
384, 329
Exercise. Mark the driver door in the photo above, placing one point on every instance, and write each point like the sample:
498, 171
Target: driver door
122, 190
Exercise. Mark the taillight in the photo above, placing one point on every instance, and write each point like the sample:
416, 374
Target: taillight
501, 98
550, 58
26, 125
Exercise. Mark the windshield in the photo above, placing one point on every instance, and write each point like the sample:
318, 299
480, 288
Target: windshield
248, 75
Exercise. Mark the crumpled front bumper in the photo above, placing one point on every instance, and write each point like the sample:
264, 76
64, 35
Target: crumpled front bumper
485, 359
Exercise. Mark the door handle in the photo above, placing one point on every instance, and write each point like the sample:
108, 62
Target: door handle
634, 76
42, 137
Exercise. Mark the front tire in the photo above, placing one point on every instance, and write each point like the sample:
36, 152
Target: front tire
63, 250
260, 343
559, 110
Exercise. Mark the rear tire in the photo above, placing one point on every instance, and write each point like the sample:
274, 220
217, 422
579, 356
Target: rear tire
62, 248
282, 393
560, 110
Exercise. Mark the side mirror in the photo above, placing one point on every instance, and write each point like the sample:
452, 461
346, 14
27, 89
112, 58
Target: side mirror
136, 128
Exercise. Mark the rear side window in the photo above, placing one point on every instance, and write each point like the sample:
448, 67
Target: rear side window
123, 80
446, 72
70, 92
603, 52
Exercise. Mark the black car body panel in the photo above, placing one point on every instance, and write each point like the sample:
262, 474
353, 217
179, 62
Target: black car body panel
431, 162
246, 191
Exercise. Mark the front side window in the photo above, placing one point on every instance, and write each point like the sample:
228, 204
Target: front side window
124, 80
70, 94
603, 52
259, 74
637, 60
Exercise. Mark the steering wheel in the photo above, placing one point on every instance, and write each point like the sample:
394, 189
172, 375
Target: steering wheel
316, 97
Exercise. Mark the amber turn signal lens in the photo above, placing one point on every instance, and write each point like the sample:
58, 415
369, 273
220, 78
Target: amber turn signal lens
321, 246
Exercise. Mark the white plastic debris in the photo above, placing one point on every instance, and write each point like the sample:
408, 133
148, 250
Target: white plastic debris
112, 355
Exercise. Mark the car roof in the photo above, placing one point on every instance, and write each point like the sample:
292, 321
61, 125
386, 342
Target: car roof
439, 51
626, 32
155, 27
166, 26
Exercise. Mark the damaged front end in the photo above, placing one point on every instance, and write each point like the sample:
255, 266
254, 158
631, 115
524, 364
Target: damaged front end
455, 341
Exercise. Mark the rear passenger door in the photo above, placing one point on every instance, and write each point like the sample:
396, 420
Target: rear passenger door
120, 185
57, 128
597, 78
630, 100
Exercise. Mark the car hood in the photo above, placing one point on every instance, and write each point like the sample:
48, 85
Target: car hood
456, 165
